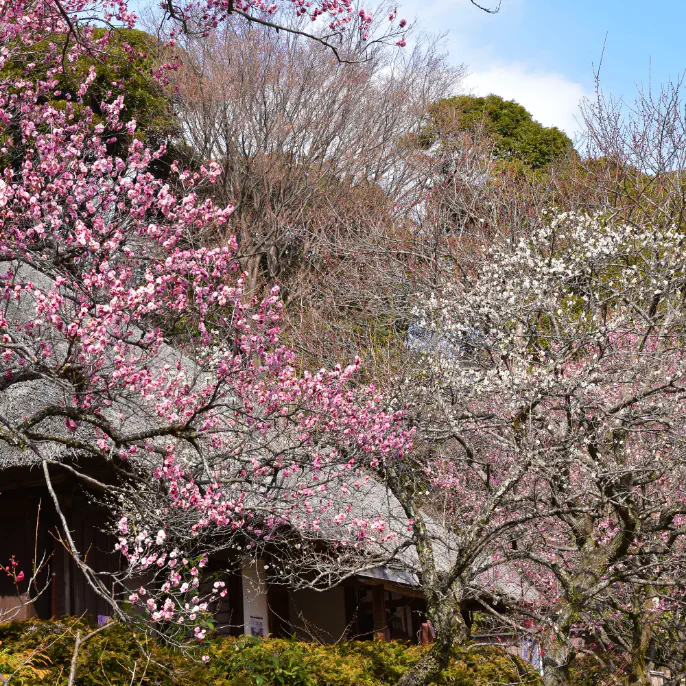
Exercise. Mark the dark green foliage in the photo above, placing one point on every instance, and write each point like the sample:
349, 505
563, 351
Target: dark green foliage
45, 650
514, 131
125, 66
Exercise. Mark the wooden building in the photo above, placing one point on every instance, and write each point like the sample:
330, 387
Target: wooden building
380, 603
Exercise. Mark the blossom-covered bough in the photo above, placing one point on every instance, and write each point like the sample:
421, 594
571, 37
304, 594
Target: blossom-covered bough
558, 372
215, 444
329, 20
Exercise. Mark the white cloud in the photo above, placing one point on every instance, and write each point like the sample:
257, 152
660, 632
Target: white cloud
552, 98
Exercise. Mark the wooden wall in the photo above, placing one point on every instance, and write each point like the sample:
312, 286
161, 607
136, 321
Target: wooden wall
30, 530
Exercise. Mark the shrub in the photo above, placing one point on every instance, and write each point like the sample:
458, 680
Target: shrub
40, 652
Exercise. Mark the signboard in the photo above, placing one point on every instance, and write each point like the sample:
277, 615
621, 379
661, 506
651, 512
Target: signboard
257, 626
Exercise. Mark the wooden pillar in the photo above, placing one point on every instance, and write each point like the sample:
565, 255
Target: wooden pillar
379, 612
255, 606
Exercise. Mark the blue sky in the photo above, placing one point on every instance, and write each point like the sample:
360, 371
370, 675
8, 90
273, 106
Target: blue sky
542, 52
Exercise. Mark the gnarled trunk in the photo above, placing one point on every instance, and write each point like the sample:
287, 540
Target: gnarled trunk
558, 652
555, 674
642, 619
451, 632
431, 664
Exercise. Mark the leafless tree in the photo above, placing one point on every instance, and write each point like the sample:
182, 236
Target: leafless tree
320, 160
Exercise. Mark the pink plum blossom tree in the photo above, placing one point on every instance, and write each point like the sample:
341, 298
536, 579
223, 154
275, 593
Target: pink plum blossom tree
216, 444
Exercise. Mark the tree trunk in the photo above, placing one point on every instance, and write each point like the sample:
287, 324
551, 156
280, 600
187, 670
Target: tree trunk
642, 616
556, 674
558, 657
432, 663
443, 596
639, 674
451, 632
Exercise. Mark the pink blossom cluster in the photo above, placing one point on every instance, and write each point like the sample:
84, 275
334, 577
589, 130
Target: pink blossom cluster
12, 570
99, 267
338, 14
179, 597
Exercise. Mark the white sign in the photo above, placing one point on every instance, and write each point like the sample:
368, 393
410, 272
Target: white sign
257, 626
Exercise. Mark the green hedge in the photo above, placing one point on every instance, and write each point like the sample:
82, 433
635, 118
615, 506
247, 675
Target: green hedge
40, 653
